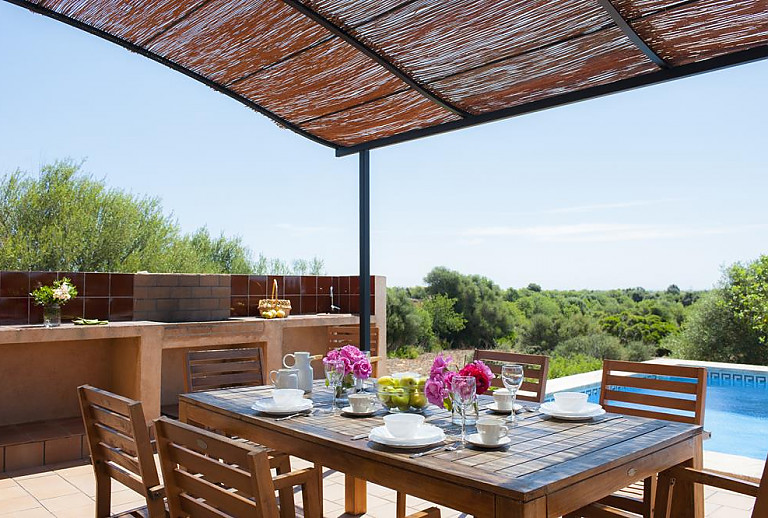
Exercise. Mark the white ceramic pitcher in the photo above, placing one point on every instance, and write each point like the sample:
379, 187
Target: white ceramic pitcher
285, 378
301, 362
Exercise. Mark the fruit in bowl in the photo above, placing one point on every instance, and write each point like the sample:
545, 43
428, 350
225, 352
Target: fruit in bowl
402, 393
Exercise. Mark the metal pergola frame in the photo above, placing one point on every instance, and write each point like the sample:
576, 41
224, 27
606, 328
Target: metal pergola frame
666, 72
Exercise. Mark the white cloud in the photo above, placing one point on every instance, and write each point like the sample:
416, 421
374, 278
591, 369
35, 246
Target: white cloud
606, 232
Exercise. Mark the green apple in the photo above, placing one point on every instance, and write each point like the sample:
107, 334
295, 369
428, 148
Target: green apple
385, 396
387, 381
401, 399
418, 399
408, 382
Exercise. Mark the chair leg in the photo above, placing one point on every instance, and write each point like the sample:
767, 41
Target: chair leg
282, 465
649, 494
400, 510
312, 497
103, 491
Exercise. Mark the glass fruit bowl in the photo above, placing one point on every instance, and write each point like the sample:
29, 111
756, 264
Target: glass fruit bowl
402, 394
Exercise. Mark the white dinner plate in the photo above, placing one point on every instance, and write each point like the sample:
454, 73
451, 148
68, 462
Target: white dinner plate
589, 411
268, 406
474, 439
427, 435
348, 411
493, 407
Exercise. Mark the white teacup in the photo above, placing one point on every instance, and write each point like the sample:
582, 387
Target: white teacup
403, 426
503, 399
570, 401
491, 430
361, 403
285, 378
287, 397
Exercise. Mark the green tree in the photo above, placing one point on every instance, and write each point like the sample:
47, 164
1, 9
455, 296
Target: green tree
479, 301
66, 220
408, 324
746, 294
445, 320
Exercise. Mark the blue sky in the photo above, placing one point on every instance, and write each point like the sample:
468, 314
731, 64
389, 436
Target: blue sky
661, 185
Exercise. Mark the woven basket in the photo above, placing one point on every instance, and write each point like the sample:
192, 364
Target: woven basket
274, 303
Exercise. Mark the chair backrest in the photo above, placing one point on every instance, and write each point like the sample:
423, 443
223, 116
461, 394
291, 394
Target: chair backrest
119, 443
208, 475
761, 502
535, 371
671, 392
224, 368
339, 336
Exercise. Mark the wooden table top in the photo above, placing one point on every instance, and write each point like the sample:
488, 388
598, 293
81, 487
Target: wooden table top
544, 455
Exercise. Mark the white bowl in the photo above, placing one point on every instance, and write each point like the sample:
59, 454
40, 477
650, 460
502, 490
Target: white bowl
403, 426
286, 397
570, 401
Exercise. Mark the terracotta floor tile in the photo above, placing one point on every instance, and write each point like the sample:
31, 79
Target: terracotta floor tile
11, 491
21, 503
7, 482
77, 512
48, 487
39, 512
732, 500
85, 483
63, 503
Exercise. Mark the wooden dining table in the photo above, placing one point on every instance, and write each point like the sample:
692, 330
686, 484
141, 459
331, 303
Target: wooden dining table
550, 467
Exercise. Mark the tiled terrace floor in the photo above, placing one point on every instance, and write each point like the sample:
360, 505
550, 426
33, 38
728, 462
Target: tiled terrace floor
68, 492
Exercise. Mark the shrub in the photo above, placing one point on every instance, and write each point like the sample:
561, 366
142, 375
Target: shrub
560, 366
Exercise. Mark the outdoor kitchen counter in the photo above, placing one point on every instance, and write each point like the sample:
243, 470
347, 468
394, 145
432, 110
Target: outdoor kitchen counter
40, 368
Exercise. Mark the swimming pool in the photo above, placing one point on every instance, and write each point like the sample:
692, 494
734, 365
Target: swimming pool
736, 411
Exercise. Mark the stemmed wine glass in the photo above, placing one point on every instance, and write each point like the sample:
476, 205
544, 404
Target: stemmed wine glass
463, 393
512, 377
334, 372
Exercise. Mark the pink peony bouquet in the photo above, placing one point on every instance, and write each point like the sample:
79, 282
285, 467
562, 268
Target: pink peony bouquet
438, 386
356, 364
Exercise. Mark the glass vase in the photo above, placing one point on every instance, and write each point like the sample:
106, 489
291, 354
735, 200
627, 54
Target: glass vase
52, 315
473, 413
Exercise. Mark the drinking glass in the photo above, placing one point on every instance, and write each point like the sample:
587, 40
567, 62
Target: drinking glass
512, 377
463, 394
334, 372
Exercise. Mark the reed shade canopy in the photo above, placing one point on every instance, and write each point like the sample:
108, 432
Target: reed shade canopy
360, 74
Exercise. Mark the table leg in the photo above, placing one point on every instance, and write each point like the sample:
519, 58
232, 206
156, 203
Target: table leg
355, 495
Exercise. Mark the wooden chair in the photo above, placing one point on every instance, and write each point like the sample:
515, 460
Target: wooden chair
339, 336
120, 447
211, 475
224, 368
535, 369
671, 478
680, 399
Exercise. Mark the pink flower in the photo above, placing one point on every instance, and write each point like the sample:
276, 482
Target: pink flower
481, 373
440, 364
362, 369
447, 380
435, 391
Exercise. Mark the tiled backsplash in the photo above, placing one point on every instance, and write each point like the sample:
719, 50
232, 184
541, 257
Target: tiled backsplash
110, 296
308, 294
106, 296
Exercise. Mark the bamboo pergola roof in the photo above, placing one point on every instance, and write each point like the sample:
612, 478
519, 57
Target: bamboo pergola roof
360, 74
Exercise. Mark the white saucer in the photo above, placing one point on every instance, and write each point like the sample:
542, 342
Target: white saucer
493, 407
475, 440
427, 435
348, 411
589, 411
268, 406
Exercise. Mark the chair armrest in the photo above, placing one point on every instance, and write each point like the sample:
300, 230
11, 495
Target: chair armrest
710, 478
156, 492
432, 512
294, 478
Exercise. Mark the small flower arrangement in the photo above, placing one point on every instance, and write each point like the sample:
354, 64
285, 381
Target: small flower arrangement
356, 364
58, 294
438, 386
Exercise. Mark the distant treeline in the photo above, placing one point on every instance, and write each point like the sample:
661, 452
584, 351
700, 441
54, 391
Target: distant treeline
453, 310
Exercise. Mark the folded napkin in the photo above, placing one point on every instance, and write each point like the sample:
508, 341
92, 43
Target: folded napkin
89, 322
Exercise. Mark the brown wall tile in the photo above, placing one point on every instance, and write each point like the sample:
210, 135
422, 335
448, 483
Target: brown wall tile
292, 285
238, 306
23, 456
253, 306
121, 309
257, 286
96, 285
295, 304
37, 279
239, 285
309, 285
309, 304
121, 285
354, 285
71, 310
63, 449
343, 286
323, 303
14, 284
97, 308
14, 310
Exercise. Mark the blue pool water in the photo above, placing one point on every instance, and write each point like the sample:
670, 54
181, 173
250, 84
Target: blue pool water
736, 413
